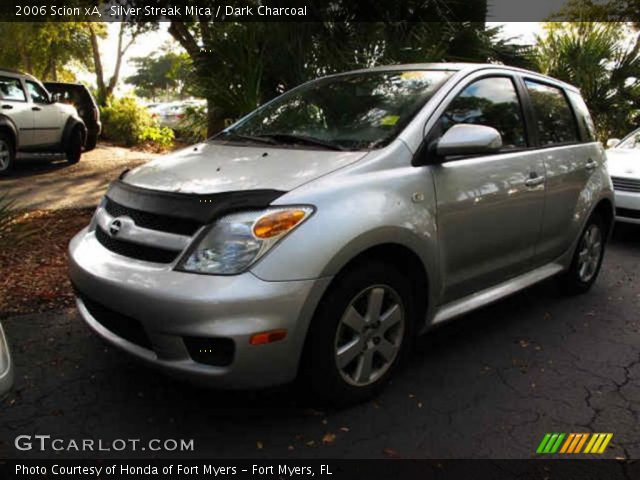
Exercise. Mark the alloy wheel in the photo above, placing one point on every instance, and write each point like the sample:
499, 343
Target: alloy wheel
589, 253
5, 155
369, 335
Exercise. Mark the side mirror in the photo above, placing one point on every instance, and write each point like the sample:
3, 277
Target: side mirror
467, 139
55, 97
613, 142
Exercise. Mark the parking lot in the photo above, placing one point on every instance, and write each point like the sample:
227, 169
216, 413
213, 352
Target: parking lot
487, 385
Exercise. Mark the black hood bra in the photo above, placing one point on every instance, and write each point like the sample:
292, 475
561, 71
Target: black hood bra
188, 206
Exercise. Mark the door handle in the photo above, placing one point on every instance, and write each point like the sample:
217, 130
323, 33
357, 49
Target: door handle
534, 181
591, 164
7, 107
36, 109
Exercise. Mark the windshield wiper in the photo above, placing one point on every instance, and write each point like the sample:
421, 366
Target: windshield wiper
250, 138
292, 138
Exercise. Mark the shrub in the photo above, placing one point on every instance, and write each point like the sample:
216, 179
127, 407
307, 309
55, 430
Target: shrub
193, 126
126, 122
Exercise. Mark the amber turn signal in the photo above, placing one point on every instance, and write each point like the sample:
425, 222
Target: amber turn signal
276, 223
267, 337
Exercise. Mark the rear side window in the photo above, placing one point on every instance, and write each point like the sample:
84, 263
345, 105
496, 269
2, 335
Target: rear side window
587, 126
11, 89
38, 95
554, 117
492, 102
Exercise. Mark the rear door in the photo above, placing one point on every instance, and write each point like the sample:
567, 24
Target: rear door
568, 162
48, 118
13, 104
489, 207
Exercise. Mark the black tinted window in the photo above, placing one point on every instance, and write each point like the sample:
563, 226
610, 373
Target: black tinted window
492, 102
554, 118
11, 89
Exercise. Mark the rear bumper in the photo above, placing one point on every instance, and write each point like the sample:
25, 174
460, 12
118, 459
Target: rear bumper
172, 306
627, 207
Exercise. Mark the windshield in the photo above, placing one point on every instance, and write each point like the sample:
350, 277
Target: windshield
632, 141
356, 111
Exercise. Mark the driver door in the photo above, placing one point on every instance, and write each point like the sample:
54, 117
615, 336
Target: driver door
489, 207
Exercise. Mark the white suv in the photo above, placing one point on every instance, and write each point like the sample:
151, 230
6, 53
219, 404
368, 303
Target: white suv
31, 121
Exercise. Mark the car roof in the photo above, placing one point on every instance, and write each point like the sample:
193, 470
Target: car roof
465, 68
17, 73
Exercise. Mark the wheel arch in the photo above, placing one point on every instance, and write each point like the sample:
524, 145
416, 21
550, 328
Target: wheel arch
69, 127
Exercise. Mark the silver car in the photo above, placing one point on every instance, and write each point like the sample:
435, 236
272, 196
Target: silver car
318, 235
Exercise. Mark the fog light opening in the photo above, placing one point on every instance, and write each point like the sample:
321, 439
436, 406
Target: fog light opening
267, 337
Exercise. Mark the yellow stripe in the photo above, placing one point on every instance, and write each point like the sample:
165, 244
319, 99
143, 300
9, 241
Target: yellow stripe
591, 442
596, 445
606, 441
574, 443
584, 439
567, 442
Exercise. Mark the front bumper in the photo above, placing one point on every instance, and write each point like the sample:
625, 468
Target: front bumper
627, 207
172, 306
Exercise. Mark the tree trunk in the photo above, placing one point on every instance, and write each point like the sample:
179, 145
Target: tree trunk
215, 119
97, 63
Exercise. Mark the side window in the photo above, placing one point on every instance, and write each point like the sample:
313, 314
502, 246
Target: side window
584, 117
11, 89
554, 118
492, 102
38, 95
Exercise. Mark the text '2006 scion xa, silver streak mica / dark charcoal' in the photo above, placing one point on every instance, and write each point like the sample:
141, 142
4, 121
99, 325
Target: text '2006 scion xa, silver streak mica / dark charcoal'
318, 235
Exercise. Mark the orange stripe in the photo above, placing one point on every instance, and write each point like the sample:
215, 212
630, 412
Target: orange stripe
567, 442
574, 443
584, 439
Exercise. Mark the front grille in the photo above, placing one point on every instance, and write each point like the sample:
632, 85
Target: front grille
153, 221
126, 327
626, 184
213, 351
134, 250
627, 213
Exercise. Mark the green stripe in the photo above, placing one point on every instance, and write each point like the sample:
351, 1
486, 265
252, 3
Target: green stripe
555, 448
550, 443
543, 443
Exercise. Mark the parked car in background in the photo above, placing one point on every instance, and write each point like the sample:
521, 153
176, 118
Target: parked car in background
172, 114
81, 98
624, 167
317, 236
6, 365
31, 121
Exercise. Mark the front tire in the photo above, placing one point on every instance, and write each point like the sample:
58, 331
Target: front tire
7, 154
587, 258
361, 332
74, 148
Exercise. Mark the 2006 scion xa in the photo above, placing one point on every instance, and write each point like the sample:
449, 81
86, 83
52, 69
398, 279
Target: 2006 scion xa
318, 235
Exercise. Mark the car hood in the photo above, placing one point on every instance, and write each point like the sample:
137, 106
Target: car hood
623, 162
213, 168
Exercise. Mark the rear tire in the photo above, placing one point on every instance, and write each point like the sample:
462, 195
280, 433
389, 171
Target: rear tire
91, 142
74, 147
362, 330
587, 258
7, 154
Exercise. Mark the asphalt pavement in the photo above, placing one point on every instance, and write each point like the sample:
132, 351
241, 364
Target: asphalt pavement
488, 385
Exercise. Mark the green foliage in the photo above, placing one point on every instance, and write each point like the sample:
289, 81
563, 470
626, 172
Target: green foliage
193, 126
125, 121
165, 75
596, 58
46, 49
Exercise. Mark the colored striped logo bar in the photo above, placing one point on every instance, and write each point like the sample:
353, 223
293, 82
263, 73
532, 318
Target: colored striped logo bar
593, 443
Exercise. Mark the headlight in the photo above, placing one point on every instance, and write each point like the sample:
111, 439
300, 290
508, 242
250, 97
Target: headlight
236, 241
